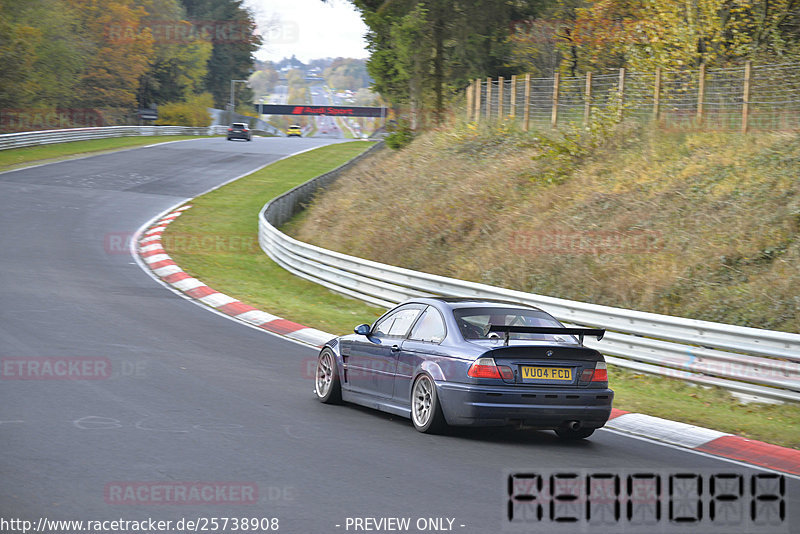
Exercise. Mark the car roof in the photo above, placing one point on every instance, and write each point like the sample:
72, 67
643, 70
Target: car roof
471, 302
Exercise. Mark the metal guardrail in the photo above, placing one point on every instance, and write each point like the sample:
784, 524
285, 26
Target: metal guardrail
749, 361
45, 137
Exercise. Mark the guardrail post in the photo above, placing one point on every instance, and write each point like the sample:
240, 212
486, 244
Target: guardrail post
621, 92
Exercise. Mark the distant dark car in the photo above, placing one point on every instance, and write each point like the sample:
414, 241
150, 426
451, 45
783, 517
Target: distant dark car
239, 130
449, 361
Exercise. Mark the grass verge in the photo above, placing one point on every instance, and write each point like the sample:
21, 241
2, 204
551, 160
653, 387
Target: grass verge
17, 157
713, 407
236, 266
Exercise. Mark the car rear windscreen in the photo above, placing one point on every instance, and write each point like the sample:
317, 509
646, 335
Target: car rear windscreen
474, 323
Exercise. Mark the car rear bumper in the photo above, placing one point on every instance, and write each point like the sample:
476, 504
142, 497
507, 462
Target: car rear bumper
466, 404
238, 136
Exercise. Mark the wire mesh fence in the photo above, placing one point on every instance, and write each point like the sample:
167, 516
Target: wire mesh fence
749, 97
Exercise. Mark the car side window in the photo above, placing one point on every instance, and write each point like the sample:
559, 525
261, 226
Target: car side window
430, 327
398, 323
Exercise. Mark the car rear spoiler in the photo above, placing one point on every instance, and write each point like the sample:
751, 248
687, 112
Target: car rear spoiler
580, 332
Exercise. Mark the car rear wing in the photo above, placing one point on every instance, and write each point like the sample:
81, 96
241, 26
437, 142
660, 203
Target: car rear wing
580, 332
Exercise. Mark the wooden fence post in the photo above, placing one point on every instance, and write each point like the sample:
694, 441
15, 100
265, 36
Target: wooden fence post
701, 93
621, 92
554, 113
746, 96
513, 110
477, 100
470, 101
489, 99
526, 110
587, 101
657, 95
500, 104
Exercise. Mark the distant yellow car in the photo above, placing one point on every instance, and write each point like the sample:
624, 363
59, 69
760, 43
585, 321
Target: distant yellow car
294, 130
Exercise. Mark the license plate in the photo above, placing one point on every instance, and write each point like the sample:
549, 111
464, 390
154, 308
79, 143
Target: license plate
547, 373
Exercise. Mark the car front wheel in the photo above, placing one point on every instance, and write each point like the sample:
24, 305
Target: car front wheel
426, 412
326, 381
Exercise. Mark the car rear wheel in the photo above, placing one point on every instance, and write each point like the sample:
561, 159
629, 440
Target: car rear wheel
327, 385
426, 412
568, 433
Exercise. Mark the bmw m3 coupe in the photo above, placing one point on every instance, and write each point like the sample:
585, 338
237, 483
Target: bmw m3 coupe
462, 361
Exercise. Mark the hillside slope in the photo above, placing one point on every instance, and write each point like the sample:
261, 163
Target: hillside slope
701, 225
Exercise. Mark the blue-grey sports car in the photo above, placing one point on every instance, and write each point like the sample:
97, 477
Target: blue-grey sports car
462, 361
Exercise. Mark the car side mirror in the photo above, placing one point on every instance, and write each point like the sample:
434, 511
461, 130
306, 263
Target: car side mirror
362, 329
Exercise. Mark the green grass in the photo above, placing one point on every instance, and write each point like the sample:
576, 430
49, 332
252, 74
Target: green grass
701, 225
236, 266
17, 157
713, 407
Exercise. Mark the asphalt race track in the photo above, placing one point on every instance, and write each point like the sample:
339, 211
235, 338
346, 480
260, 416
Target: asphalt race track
195, 398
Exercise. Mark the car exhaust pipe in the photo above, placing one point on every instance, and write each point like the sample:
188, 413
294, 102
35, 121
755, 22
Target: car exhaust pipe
574, 425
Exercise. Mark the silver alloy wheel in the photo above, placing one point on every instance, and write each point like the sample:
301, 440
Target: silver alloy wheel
324, 374
421, 401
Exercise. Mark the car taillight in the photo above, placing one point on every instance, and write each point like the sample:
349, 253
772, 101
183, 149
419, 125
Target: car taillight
600, 372
487, 368
230, 129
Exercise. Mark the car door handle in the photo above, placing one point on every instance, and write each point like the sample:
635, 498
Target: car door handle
395, 348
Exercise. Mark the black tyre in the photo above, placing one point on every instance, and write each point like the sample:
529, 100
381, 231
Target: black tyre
567, 433
326, 380
426, 411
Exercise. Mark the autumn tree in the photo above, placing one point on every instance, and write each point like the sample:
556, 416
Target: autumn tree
43, 51
233, 45
675, 34
263, 81
115, 62
347, 73
422, 51
180, 59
